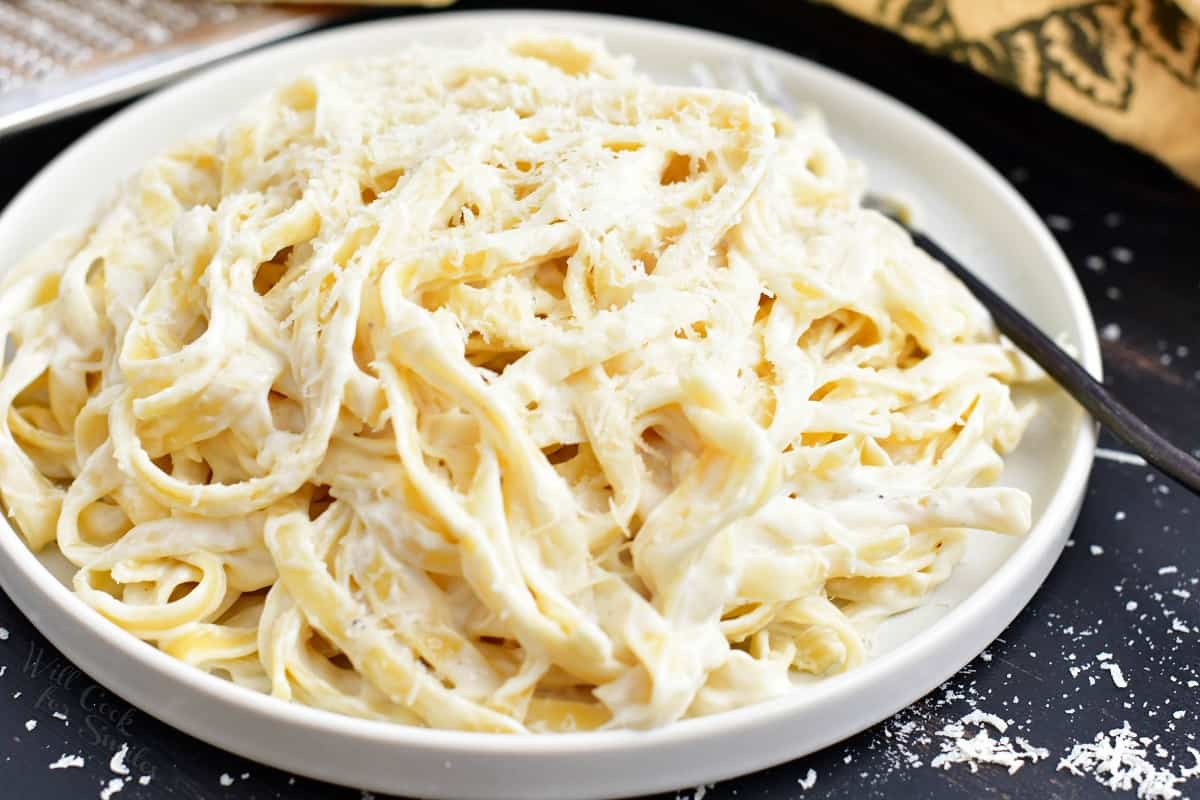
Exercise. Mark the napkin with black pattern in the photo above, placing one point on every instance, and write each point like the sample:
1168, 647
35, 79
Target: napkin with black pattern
1128, 67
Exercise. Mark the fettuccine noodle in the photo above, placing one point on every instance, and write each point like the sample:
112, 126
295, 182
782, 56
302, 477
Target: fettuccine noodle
500, 389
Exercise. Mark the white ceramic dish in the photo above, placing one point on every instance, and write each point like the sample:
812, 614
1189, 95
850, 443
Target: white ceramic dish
966, 205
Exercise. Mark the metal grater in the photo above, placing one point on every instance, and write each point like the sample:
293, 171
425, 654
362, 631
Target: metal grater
62, 56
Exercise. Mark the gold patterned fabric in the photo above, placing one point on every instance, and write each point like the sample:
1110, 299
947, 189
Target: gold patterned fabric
1128, 67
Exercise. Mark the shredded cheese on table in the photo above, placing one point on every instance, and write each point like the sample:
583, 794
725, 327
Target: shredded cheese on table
1118, 761
501, 389
958, 748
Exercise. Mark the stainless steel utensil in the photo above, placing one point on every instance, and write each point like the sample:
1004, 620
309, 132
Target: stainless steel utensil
63, 56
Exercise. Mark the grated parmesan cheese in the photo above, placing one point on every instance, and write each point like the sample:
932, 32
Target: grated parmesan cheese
982, 748
1194, 770
117, 762
114, 785
66, 761
1117, 760
1114, 671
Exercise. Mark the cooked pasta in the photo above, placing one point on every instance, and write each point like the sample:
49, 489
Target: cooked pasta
500, 389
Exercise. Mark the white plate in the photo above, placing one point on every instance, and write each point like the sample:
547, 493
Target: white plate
966, 205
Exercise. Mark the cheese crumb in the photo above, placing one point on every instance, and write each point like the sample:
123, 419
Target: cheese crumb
225, 779
66, 761
808, 781
117, 762
1096, 550
114, 785
30, 724
1114, 671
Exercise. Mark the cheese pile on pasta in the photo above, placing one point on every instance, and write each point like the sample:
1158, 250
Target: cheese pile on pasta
501, 389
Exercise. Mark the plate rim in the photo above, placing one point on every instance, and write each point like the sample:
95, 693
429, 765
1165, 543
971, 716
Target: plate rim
39, 595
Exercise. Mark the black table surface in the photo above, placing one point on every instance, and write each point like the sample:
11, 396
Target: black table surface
1125, 586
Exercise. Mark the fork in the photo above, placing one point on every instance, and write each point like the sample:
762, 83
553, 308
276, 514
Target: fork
1020, 330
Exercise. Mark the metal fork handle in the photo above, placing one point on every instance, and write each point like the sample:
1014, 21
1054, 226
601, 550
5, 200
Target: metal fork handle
1078, 382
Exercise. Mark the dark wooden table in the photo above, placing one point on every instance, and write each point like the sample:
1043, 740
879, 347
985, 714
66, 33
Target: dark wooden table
1127, 585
